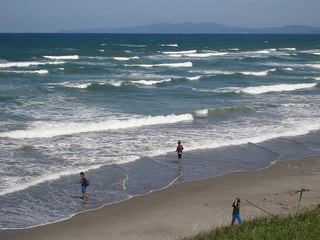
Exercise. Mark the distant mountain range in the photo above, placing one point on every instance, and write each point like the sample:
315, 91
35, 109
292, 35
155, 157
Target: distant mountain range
198, 28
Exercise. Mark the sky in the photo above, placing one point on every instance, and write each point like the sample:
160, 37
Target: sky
54, 15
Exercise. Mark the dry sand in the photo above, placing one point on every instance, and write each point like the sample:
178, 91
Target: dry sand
189, 208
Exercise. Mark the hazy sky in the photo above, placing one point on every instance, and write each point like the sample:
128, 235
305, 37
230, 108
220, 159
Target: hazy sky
54, 15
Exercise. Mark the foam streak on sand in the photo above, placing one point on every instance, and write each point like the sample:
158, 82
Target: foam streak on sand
198, 199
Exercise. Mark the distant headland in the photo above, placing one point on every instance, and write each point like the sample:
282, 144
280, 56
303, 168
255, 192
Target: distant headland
200, 28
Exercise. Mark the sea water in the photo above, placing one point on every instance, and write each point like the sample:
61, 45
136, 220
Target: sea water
115, 105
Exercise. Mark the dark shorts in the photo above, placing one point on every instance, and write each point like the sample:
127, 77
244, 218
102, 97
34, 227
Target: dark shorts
84, 189
179, 155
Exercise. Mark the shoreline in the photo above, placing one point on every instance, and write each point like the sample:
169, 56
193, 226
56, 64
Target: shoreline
188, 208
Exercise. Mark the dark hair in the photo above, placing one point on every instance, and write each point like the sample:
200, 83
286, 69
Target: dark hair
179, 142
238, 199
82, 173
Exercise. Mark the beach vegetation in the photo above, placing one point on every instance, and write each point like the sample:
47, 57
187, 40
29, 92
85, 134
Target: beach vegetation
303, 226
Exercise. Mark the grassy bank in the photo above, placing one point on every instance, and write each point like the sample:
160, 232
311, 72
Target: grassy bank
304, 226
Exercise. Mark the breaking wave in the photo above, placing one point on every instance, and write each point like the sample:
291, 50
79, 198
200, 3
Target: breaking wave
277, 88
29, 72
52, 129
261, 89
262, 73
173, 65
27, 64
62, 57
125, 58
150, 82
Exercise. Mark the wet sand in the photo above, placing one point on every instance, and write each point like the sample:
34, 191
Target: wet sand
189, 208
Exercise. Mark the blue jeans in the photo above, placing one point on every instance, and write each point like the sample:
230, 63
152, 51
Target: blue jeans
234, 217
83, 189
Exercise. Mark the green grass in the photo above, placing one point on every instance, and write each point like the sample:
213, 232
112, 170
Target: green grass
304, 226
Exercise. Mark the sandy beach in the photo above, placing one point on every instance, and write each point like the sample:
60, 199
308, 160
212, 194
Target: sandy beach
189, 208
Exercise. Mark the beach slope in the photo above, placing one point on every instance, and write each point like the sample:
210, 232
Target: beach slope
189, 208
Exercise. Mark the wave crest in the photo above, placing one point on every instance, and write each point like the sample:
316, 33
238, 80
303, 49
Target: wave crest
27, 64
52, 129
62, 57
182, 64
277, 88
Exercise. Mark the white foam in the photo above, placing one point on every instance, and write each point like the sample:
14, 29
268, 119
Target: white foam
262, 53
205, 55
175, 55
288, 49
31, 72
261, 89
195, 54
52, 129
195, 78
183, 64
213, 72
115, 83
125, 58
317, 78
277, 88
316, 65
140, 65
295, 128
262, 73
82, 86
133, 45
202, 112
180, 52
169, 45
45, 177
150, 82
288, 69
27, 64
62, 57
74, 85
312, 51
296, 65
121, 58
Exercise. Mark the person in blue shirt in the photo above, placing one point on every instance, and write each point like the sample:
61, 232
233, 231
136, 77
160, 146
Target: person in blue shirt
83, 186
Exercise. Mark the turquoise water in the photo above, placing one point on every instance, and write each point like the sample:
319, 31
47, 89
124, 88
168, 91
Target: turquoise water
115, 105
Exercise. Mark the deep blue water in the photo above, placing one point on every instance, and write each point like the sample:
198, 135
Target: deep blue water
115, 105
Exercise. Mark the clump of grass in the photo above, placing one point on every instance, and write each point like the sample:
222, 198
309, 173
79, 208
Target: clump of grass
302, 226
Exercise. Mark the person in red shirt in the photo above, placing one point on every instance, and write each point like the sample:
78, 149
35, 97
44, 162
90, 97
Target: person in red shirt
179, 150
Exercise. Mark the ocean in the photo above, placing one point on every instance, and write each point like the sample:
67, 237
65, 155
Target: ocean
115, 105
